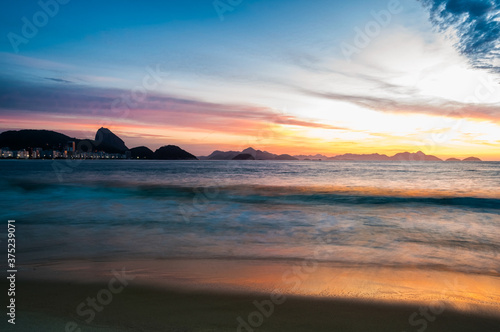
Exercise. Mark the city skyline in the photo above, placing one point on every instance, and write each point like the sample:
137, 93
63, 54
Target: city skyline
326, 77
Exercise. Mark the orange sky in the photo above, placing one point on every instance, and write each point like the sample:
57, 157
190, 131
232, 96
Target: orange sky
203, 85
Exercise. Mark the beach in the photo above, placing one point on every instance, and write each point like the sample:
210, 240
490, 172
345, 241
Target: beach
250, 166
255, 246
171, 304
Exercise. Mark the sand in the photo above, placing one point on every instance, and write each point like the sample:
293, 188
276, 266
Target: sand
221, 295
50, 306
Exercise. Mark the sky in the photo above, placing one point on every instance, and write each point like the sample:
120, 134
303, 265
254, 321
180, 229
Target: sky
286, 76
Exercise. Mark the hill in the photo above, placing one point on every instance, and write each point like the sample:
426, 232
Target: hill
418, 156
221, 155
244, 156
362, 157
311, 157
172, 152
141, 152
472, 159
404, 156
51, 140
285, 157
256, 154
30, 138
105, 140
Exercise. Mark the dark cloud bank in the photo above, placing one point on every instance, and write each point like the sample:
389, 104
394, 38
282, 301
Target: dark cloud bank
477, 25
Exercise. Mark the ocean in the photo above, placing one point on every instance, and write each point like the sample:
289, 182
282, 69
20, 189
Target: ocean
427, 215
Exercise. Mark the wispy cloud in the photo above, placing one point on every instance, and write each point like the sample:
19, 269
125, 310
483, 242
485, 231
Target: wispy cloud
78, 101
431, 106
476, 24
10, 59
58, 80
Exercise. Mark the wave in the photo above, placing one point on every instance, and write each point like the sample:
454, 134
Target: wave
258, 194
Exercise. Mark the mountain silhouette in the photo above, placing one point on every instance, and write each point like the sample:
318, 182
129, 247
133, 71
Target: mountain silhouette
311, 157
222, 155
31, 138
472, 159
256, 154
107, 141
141, 152
418, 156
172, 152
244, 156
362, 157
404, 156
285, 157
259, 155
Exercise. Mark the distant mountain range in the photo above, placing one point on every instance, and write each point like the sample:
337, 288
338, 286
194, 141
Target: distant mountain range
404, 156
311, 157
108, 142
466, 159
247, 154
252, 154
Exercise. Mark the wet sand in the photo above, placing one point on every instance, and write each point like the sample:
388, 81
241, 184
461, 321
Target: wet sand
235, 295
51, 306
467, 292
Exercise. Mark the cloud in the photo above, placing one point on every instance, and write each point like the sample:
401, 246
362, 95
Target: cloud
10, 59
476, 24
73, 101
59, 80
430, 106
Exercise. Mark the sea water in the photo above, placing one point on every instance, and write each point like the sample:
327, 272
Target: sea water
429, 215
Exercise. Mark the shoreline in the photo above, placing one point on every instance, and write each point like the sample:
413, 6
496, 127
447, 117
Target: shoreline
53, 306
461, 292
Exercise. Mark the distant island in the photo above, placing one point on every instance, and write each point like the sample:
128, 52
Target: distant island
404, 156
247, 154
466, 159
47, 144
472, 159
252, 154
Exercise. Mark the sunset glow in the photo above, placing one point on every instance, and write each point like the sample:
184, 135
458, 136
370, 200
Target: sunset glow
408, 89
250, 165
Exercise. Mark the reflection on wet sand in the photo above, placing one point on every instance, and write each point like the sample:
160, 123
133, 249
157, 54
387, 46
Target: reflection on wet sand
459, 291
